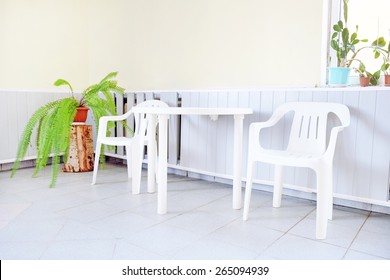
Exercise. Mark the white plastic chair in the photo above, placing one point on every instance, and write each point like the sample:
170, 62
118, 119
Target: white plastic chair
307, 147
134, 145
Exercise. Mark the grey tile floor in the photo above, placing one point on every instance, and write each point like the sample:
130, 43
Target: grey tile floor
78, 221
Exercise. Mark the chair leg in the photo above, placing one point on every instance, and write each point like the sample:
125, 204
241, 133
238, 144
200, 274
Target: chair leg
330, 192
96, 162
248, 189
152, 166
129, 161
136, 162
278, 187
324, 180
156, 166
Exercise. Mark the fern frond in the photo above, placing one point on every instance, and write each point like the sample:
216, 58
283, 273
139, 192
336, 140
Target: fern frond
61, 82
55, 169
54, 134
109, 76
110, 102
63, 120
53, 122
43, 141
27, 132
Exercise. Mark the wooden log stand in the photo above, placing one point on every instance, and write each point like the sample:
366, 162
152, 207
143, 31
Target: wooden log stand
81, 155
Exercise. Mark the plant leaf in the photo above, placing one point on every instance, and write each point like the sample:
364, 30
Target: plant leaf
61, 82
337, 28
345, 36
334, 45
380, 42
345, 7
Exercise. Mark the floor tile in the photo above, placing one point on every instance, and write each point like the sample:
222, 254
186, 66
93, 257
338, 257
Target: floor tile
73, 230
61, 202
149, 210
129, 201
75, 220
282, 218
291, 247
250, 236
209, 248
222, 207
355, 255
199, 221
336, 234
377, 222
347, 217
3, 223
258, 199
163, 239
80, 250
22, 250
127, 251
9, 211
376, 244
44, 230
89, 212
122, 224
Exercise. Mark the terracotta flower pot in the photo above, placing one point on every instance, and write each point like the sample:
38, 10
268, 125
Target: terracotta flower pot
364, 81
387, 80
81, 114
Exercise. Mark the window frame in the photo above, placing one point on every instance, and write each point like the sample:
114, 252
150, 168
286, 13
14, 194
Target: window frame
331, 13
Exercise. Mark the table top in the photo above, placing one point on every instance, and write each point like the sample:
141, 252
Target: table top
193, 110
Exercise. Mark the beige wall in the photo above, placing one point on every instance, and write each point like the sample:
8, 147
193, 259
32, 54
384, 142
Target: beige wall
162, 44
42, 40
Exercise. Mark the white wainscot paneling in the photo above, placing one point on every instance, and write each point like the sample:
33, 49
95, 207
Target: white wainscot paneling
205, 147
16, 107
361, 164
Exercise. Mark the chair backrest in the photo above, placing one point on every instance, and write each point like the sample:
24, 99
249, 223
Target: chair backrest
141, 120
309, 126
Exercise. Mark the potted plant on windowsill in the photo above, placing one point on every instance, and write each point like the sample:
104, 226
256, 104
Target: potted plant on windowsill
343, 43
380, 50
366, 78
53, 122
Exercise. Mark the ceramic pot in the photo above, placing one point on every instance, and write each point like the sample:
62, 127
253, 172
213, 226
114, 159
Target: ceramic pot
387, 80
364, 81
81, 114
338, 76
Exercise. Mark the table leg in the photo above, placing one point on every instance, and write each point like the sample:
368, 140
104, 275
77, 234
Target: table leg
162, 164
237, 160
152, 154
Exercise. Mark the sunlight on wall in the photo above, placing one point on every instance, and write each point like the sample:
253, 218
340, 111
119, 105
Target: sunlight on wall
42, 40
170, 44
207, 43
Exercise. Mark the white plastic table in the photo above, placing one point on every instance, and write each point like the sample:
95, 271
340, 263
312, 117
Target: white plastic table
162, 114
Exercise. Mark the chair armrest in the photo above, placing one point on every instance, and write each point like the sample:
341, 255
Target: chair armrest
117, 118
256, 127
103, 121
329, 153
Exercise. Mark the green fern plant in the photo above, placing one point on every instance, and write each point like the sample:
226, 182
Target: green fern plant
53, 122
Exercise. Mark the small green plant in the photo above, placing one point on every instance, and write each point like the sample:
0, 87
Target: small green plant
362, 71
343, 42
53, 122
380, 50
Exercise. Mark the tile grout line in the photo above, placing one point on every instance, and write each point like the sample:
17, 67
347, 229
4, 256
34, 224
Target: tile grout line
357, 233
287, 231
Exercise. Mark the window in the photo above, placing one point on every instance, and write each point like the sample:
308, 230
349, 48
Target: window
373, 22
